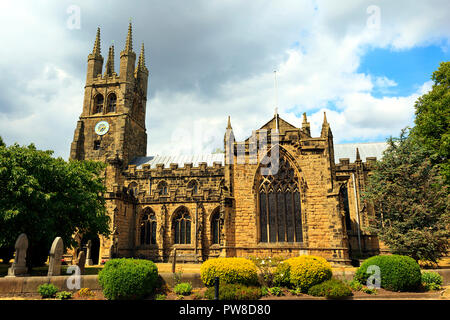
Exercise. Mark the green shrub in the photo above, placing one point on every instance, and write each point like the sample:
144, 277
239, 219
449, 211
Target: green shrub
128, 278
332, 289
266, 267
355, 285
282, 275
306, 271
397, 273
85, 292
160, 297
183, 288
264, 291
369, 290
47, 290
64, 295
235, 292
431, 280
229, 270
276, 291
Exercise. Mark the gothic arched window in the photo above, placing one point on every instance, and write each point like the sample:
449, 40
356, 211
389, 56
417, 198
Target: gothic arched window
98, 107
193, 185
112, 102
344, 199
182, 226
148, 227
215, 226
162, 188
279, 205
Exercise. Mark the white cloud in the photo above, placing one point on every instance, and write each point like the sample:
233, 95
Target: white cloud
208, 61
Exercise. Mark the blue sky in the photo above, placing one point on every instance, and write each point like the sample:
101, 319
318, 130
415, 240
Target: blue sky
409, 68
363, 62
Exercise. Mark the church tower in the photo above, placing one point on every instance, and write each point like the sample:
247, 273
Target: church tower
112, 123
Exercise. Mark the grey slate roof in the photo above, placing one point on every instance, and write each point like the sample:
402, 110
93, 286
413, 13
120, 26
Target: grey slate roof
346, 150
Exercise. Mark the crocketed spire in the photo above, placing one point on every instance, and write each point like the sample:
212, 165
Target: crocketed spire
110, 62
129, 41
96, 50
141, 61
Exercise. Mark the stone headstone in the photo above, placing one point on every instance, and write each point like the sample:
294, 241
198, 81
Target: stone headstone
81, 262
56, 252
88, 253
19, 267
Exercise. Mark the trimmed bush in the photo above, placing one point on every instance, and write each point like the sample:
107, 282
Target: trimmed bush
183, 288
229, 270
431, 280
306, 271
282, 275
235, 291
128, 278
64, 295
332, 289
47, 290
397, 272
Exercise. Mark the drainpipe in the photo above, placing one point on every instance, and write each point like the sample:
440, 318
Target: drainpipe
196, 228
357, 213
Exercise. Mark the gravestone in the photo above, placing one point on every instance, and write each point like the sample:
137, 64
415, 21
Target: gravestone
56, 252
18, 267
81, 262
88, 253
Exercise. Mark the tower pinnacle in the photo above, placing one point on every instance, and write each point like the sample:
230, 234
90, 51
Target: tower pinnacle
129, 41
96, 50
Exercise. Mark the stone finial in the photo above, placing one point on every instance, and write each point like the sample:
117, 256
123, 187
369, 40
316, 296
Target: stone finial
229, 123
96, 51
358, 157
110, 62
129, 41
325, 118
19, 267
141, 61
304, 118
56, 252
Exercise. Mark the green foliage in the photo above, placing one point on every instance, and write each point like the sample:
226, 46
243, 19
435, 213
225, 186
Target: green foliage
282, 275
85, 292
332, 289
235, 291
128, 278
306, 271
160, 297
432, 280
47, 290
266, 267
296, 291
369, 290
229, 270
412, 204
432, 123
46, 197
398, 273
264, 291
64, 295
275, 291
355, 285
184, 288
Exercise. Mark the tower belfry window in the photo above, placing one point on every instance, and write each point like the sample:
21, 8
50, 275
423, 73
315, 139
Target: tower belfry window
98, 108
112, 103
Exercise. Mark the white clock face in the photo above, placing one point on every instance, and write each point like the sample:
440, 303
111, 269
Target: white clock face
101, 128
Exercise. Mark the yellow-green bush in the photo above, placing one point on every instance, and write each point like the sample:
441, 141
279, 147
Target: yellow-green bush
229, 270
307, 271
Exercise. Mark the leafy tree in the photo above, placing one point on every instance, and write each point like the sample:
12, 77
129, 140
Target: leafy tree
46, 197
412, 201
432, 123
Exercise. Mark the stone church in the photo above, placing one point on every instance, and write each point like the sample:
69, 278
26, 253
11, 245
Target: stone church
278, 193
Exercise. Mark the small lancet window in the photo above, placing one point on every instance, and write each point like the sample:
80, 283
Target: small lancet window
98, 108
112, 102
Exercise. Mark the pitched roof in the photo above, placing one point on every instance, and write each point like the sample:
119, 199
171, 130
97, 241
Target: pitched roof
347, 150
